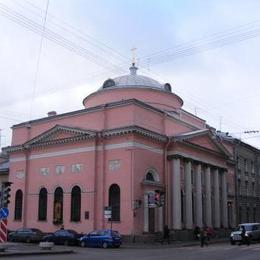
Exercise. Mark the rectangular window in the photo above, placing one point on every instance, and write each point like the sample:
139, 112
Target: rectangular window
44, 171
246, 187
76, 168
252, 167
246, 165
60, 169
253, 189
239, 186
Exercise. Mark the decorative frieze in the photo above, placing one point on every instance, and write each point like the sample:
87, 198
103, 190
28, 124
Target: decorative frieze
20, 174
114, 165
44, 171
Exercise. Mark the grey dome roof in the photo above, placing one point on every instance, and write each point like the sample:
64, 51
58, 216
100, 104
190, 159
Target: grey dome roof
134, 80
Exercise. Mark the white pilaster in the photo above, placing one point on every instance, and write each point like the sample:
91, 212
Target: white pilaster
146, 213
176, 194
188, 195
160, 219
198, 205
216, 199
208, 197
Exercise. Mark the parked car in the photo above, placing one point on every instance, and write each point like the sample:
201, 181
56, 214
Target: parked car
63, 237
101, 238
26, 235
252, 232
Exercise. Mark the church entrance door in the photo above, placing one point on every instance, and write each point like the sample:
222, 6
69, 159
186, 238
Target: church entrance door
151, 220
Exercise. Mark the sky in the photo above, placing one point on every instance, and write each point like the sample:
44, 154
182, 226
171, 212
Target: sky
54, 53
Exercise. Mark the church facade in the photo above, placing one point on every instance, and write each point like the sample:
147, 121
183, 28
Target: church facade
132, 150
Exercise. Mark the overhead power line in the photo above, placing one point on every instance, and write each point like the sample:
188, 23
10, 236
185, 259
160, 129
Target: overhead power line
218, 40
62, 24
57, 38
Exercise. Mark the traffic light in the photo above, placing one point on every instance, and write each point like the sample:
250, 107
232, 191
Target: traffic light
6, 193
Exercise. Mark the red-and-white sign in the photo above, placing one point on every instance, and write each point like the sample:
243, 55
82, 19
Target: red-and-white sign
3, 230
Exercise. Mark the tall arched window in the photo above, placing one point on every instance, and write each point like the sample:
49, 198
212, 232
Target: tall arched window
114, 201
58, 206
75, 204
42, 207
18, 205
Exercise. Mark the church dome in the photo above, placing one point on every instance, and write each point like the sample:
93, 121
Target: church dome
133, 86
136, 81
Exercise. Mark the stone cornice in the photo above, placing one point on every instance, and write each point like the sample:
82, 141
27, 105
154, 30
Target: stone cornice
78, 131
134, 130
42, 139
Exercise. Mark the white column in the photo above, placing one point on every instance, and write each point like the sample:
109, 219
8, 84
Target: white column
216, 199
146, 213
198, 205
176, 194
160, 219
224, 199
188, 195
208, 197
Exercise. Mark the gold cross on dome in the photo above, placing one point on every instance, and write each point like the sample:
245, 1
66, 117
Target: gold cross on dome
133, 55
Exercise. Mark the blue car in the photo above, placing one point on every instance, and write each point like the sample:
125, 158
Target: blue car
101, 238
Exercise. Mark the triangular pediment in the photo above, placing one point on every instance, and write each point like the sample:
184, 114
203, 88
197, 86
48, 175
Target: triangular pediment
202, 139
59, 133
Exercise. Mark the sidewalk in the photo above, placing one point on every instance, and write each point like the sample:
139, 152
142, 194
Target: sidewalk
21, 249
173, 244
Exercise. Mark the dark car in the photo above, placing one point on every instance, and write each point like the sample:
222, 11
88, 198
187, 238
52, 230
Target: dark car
26, 235
252, 232
101, 238
63, 237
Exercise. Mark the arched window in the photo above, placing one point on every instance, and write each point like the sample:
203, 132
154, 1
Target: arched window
152, 176
58, 206
114, 201
18, 205
149, 177
75, 204
42, 207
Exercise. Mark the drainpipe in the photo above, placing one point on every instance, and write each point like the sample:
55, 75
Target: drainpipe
236, 153
166, 180
95, 183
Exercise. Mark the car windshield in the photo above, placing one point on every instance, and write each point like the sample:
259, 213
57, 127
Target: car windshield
247, 227
36, 230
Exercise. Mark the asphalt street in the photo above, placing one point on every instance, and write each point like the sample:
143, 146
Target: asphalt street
212, 252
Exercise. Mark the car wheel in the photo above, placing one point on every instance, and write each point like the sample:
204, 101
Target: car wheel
117, 246
232, 242
83, 244
28, 240
66, 243
105, 245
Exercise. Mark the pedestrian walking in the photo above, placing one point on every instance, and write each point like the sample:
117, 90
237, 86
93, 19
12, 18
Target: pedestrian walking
203, 237
196, 233
166, 234
244, 238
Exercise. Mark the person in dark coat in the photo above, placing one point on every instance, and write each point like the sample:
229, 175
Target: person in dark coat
244, 239
196, 233
166, 234
203, 237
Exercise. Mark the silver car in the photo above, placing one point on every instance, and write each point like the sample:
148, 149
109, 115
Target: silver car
252, 232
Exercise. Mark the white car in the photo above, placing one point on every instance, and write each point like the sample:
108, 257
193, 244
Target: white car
252, 232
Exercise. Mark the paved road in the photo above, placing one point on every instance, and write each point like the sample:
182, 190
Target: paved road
212, 252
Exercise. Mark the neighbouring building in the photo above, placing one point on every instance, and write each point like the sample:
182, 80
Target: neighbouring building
247, 179
131, 142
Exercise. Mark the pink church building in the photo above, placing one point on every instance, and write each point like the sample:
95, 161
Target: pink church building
131, 145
